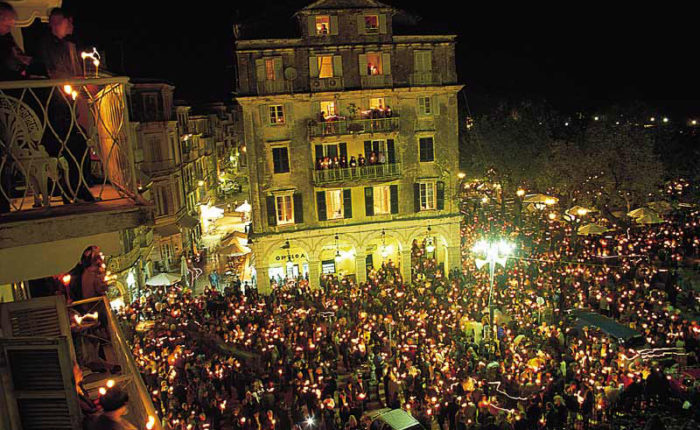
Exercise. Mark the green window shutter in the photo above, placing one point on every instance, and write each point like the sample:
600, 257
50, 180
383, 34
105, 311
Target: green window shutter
321, 205
435, 107
343, 149
368, 148
288, 107
319, 152
390, 149
440, 185
271, 212
298, 209
347, 203
334, 25
394, 198
363, 63
260, 74
369, 201
265, 115
278, 69
360, 24
382, 24
386, 64
416, 197
313, 66
312, 25
338, 66
315, 110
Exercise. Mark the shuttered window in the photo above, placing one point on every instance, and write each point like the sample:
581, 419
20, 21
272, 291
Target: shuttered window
427, 150
280, 159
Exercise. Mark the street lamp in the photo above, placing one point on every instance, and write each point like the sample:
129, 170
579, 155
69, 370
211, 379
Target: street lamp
495, 253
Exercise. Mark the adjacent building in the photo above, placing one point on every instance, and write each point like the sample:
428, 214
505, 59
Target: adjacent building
352, 137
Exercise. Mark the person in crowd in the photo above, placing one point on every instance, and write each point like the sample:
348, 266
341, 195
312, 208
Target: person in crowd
114, 408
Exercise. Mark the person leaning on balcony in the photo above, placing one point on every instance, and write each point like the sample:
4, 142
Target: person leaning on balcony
92, 279
114, 407
353, 161
360, 160
56, 51
13, 62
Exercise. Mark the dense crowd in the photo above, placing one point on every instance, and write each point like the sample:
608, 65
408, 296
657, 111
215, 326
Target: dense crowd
321, 358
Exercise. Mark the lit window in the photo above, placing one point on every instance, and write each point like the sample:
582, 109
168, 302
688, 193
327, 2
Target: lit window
377, 103
427, 151
328, 109
270, 69
424, 106
284, 206
382, 200
372, 23
325, 66
276, 114
334, 204
427, 195
323, 25
374, 64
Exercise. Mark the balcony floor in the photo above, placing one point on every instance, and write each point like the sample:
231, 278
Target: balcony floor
109, 199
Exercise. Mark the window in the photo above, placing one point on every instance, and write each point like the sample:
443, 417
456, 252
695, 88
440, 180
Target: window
284, 207
280, 159
382, 200
325, 66
422, 61
427, 152
372, 23
374, 64
276, 114
427, 195
323, 25
270, 69
328, 109
377, 103
424, 106
334, 204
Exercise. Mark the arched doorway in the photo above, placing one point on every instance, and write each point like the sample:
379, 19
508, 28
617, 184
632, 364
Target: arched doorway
338, 258
429, 252
381, 249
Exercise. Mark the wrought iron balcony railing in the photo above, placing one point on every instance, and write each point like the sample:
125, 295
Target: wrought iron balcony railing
353, 126
376, 171
425, 78
64, 141
327, 84
376, 81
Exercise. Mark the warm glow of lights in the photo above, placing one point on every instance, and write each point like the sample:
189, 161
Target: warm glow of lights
461, 175
550, 201
68, 89
151, 422
552, 216
102, 391
520, 192
582, 212
66, 279
200, 183
110, 383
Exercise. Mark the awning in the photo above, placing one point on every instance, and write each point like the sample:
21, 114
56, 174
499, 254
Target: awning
167, 230
188, 222
607, 325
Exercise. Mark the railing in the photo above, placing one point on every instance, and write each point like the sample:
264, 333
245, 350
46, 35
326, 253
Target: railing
425, 78
157, 166
128, 377
274, 87
327, 84
377, 171
122, 262
64, 140
376, 81
354, 126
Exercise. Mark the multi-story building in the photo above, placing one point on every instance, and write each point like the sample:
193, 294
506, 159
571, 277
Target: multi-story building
158, 155
351, 89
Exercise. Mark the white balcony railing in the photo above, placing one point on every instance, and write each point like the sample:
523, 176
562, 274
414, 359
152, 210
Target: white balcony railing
359, 173
353, 126
425, 78
64, 141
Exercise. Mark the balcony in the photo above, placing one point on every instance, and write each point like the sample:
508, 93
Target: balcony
274, 87
42, 339
376, 81
66, 153
327, 84
425, 79
381, 172
353, 126
119, 263
156, 167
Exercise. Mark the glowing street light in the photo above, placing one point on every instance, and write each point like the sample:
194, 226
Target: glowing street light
461, 175
495, 253
520, 192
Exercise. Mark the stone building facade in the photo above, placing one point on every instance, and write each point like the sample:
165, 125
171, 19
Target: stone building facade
348, 88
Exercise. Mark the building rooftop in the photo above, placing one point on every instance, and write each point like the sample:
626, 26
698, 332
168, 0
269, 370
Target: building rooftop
346, 4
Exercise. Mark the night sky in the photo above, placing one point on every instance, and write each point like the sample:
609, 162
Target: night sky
576, 56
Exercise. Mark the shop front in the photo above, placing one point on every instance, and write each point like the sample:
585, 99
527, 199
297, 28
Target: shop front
288, 261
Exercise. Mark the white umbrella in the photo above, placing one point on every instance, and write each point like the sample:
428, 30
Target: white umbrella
591, 229
650, 219
163, 280
638, 213
245, 207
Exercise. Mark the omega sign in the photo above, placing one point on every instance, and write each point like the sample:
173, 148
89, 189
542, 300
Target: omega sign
291, 257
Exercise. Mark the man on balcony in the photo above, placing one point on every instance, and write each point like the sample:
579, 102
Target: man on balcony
58, 54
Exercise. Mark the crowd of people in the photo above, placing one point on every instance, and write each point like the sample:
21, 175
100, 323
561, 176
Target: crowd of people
335, 162
322, 357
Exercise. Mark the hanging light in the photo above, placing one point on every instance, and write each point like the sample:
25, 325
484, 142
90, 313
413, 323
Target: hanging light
385, 250
429, 247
